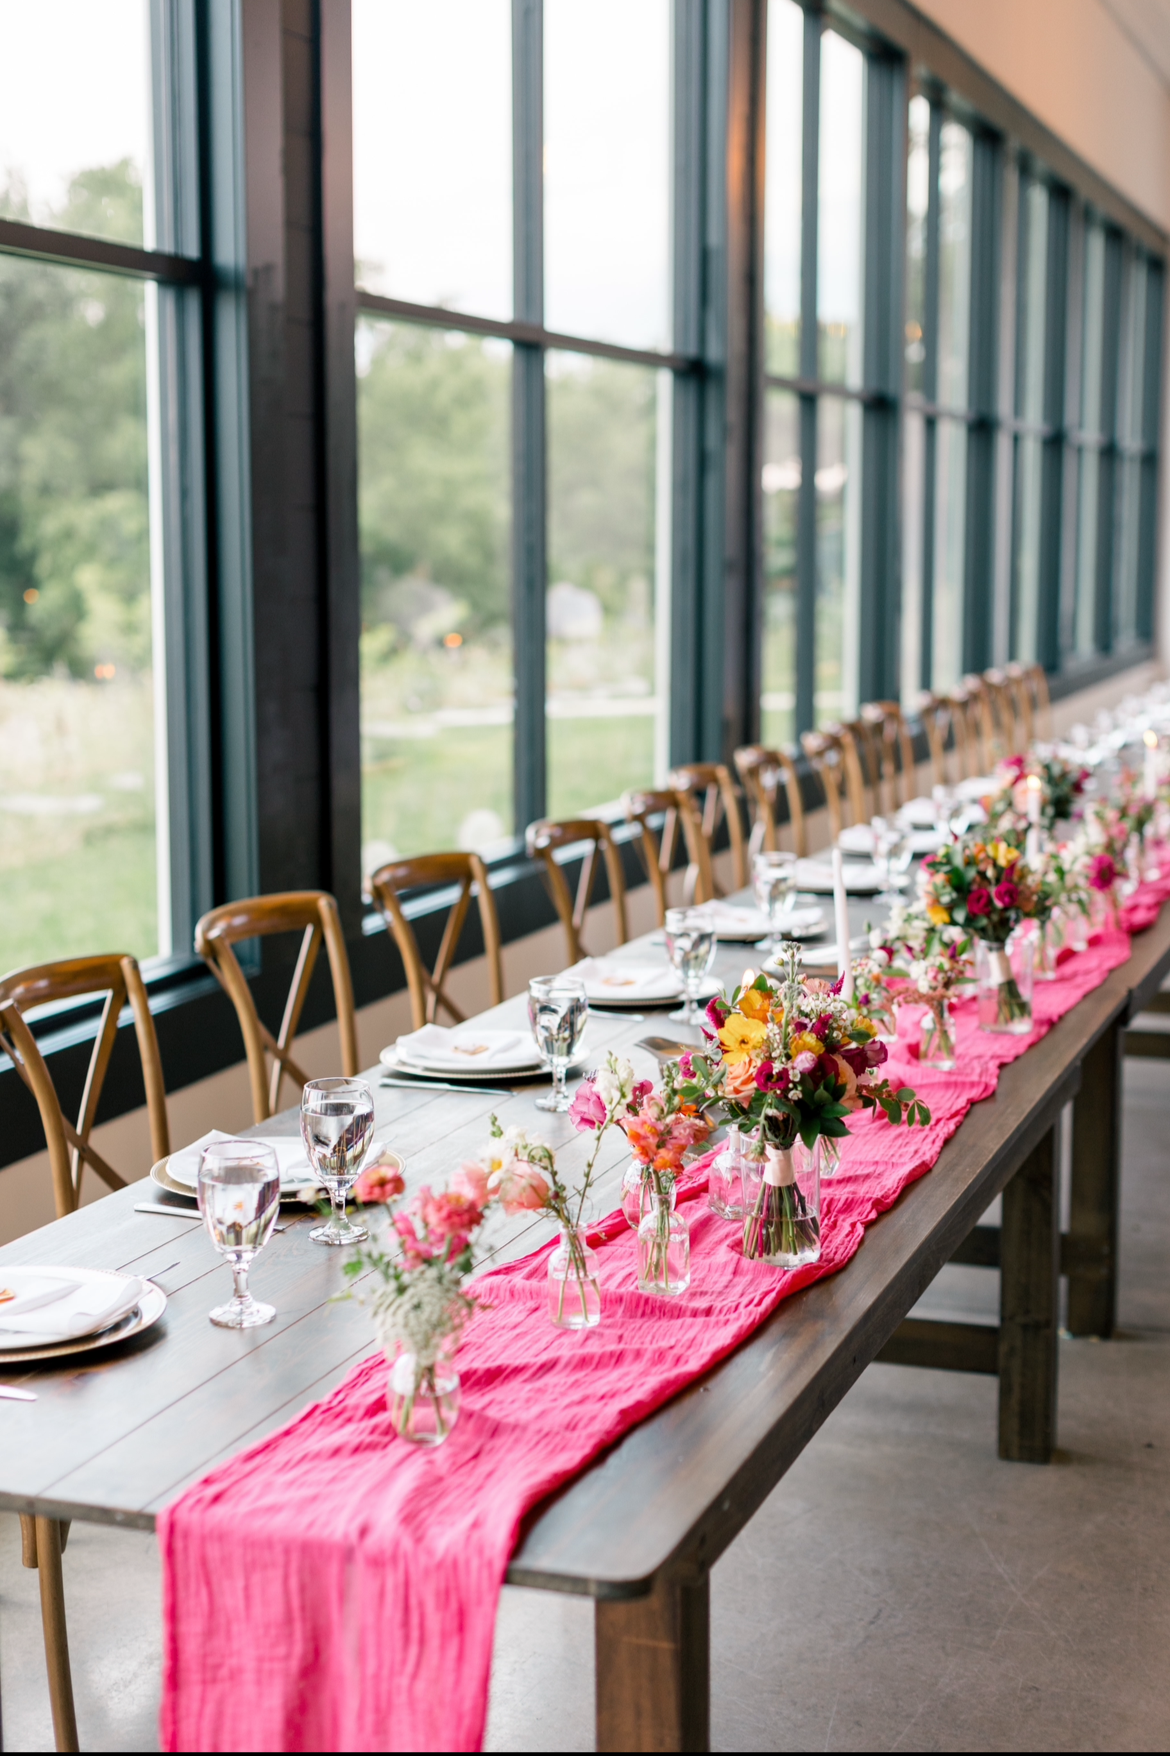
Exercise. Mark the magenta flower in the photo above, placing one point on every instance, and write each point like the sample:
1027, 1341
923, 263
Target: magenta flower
1006, 893
587, 1110
1102, 872
979, 901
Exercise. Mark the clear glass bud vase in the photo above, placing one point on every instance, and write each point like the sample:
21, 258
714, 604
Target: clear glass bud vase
1003, 980
1049, 942
782, 1204
664, 1250
423, 1399
574, 1295
937, 1045
725, 1178
638, 1193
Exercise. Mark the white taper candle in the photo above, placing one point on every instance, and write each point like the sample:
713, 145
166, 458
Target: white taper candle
841, 915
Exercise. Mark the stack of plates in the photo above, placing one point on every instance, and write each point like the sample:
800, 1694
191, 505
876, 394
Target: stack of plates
740, 926
47, 1312
859, 839
614, 981
467, 1052
862, 878
180, 1173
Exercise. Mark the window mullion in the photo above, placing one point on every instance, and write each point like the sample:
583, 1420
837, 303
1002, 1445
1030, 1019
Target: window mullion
806, 538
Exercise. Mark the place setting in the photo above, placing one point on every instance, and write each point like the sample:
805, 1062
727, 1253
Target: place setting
49, 1312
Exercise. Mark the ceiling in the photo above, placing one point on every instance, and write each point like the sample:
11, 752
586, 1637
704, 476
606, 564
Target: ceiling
1147, 25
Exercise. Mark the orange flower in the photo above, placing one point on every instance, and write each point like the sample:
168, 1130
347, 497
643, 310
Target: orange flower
739, 1081
803, 1041
755, 1004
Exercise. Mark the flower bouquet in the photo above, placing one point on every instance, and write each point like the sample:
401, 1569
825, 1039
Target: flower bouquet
1062, 786
419, 1304
788, 1060
986, 888
660, 1127
936, 961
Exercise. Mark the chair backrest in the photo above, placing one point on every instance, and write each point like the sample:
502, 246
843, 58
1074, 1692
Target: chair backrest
969, 705
1021, 686
897, 767
1003, 713
313, 913
824, 751
860, 768
543, 839
761, 770
1037, 679
657, 855
936, 715
70, 1148
712, 787
386, 887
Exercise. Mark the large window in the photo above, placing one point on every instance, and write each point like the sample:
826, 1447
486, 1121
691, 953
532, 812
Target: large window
513, 486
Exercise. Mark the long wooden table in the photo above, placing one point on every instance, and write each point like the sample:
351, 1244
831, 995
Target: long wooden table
115, 1437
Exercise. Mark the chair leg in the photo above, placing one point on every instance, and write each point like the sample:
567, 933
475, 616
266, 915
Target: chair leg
42, 1540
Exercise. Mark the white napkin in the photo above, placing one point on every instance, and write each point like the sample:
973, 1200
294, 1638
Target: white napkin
920, 813
732, 922
861, 877
89, 1306
466, 1049
927, 841
609, 979
856, 839
295, 1170
980, 786
33, 1289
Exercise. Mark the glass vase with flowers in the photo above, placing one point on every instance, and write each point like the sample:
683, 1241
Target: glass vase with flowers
986, 888
787, 1060
936, 959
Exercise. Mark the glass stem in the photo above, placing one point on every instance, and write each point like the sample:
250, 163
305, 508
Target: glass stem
337, 1198
560, 1069
240, 1282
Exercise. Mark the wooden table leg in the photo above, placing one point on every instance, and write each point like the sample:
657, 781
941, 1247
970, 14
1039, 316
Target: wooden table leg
48, 1564
1029, 1283
1091, 1255
653, 1667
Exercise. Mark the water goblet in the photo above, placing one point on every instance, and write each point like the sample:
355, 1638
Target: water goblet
238, 1191
337, 1125
690, 946
558, 1012
774, 881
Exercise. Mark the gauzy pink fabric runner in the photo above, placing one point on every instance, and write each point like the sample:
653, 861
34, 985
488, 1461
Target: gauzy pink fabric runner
335, 1588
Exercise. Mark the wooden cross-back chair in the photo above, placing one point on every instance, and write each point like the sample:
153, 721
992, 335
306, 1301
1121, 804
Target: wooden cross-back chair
711, 785
641, 807
544, 839
982, 727
860, 768
1035, 679
762, 770
897, 777
1018, 681
69, 1145
312, 913
936, 714
1005, 712
825, 753
386, 886
967, 719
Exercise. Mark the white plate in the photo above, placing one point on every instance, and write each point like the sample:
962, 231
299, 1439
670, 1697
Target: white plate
150, 1307
862, 878
614, 981
295, 1173
920, 813
821, 957
468, 1050
856, 839
980, 786
395, 1063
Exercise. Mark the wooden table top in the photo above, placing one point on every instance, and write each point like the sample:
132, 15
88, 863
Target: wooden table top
114, 1437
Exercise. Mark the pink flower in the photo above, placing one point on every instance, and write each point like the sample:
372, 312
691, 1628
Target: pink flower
522, 1188
806, 1061
414, 1248
471, 1181
685, 1066
1006, 894
587, 1110
447, 1220
378, 1183
979, 901
1102, 872
848, 1078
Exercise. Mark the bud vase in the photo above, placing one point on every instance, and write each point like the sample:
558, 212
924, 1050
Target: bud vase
638, 1193
664, 1251
1003, 980
423, 1399
937, 1045
574, 1296
782, 1204
829, 1147
725, 1178
1103, 914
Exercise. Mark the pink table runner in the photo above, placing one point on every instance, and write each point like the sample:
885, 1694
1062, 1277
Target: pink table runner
335, 1588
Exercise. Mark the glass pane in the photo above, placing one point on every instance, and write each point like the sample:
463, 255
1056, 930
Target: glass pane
77, 812
913, 516
838, 557
607, 170
1129, 423
432, 152
917, 205
1129, 533
783, 184
436, 645
604, 480
781, 485
1029, 460
954, 263
1033, 286
1094, 336
75, 115
950, 522
839, 211
1088, 484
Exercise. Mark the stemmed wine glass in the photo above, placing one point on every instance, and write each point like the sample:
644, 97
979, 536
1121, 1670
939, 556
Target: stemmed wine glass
774, 880
690, 946
558, 1012
337, 1125
892, 856
238, 1190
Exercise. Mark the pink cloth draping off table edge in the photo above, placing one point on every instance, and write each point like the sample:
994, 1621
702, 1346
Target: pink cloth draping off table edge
334, 1588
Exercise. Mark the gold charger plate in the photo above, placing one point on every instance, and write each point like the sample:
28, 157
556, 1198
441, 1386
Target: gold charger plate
307, 1195
145, 1314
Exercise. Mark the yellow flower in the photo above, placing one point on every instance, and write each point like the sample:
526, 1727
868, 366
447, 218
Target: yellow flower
755, 1004
740, 1037
939, 916
867, 1025
1004, 855
805, 1040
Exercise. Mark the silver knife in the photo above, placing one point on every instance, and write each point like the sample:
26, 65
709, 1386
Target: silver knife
167, 1207
15, 1395
444, 1085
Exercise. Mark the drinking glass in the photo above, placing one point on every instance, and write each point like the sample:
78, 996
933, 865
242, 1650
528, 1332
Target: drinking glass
690, 946
774, 880
238, 1190
558, 1012
337, 1125
892, 856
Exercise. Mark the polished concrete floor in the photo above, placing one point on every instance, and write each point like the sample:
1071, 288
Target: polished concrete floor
901, 1590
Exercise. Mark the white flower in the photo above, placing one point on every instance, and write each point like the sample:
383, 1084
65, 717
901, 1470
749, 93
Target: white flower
879, 958
614, 1082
